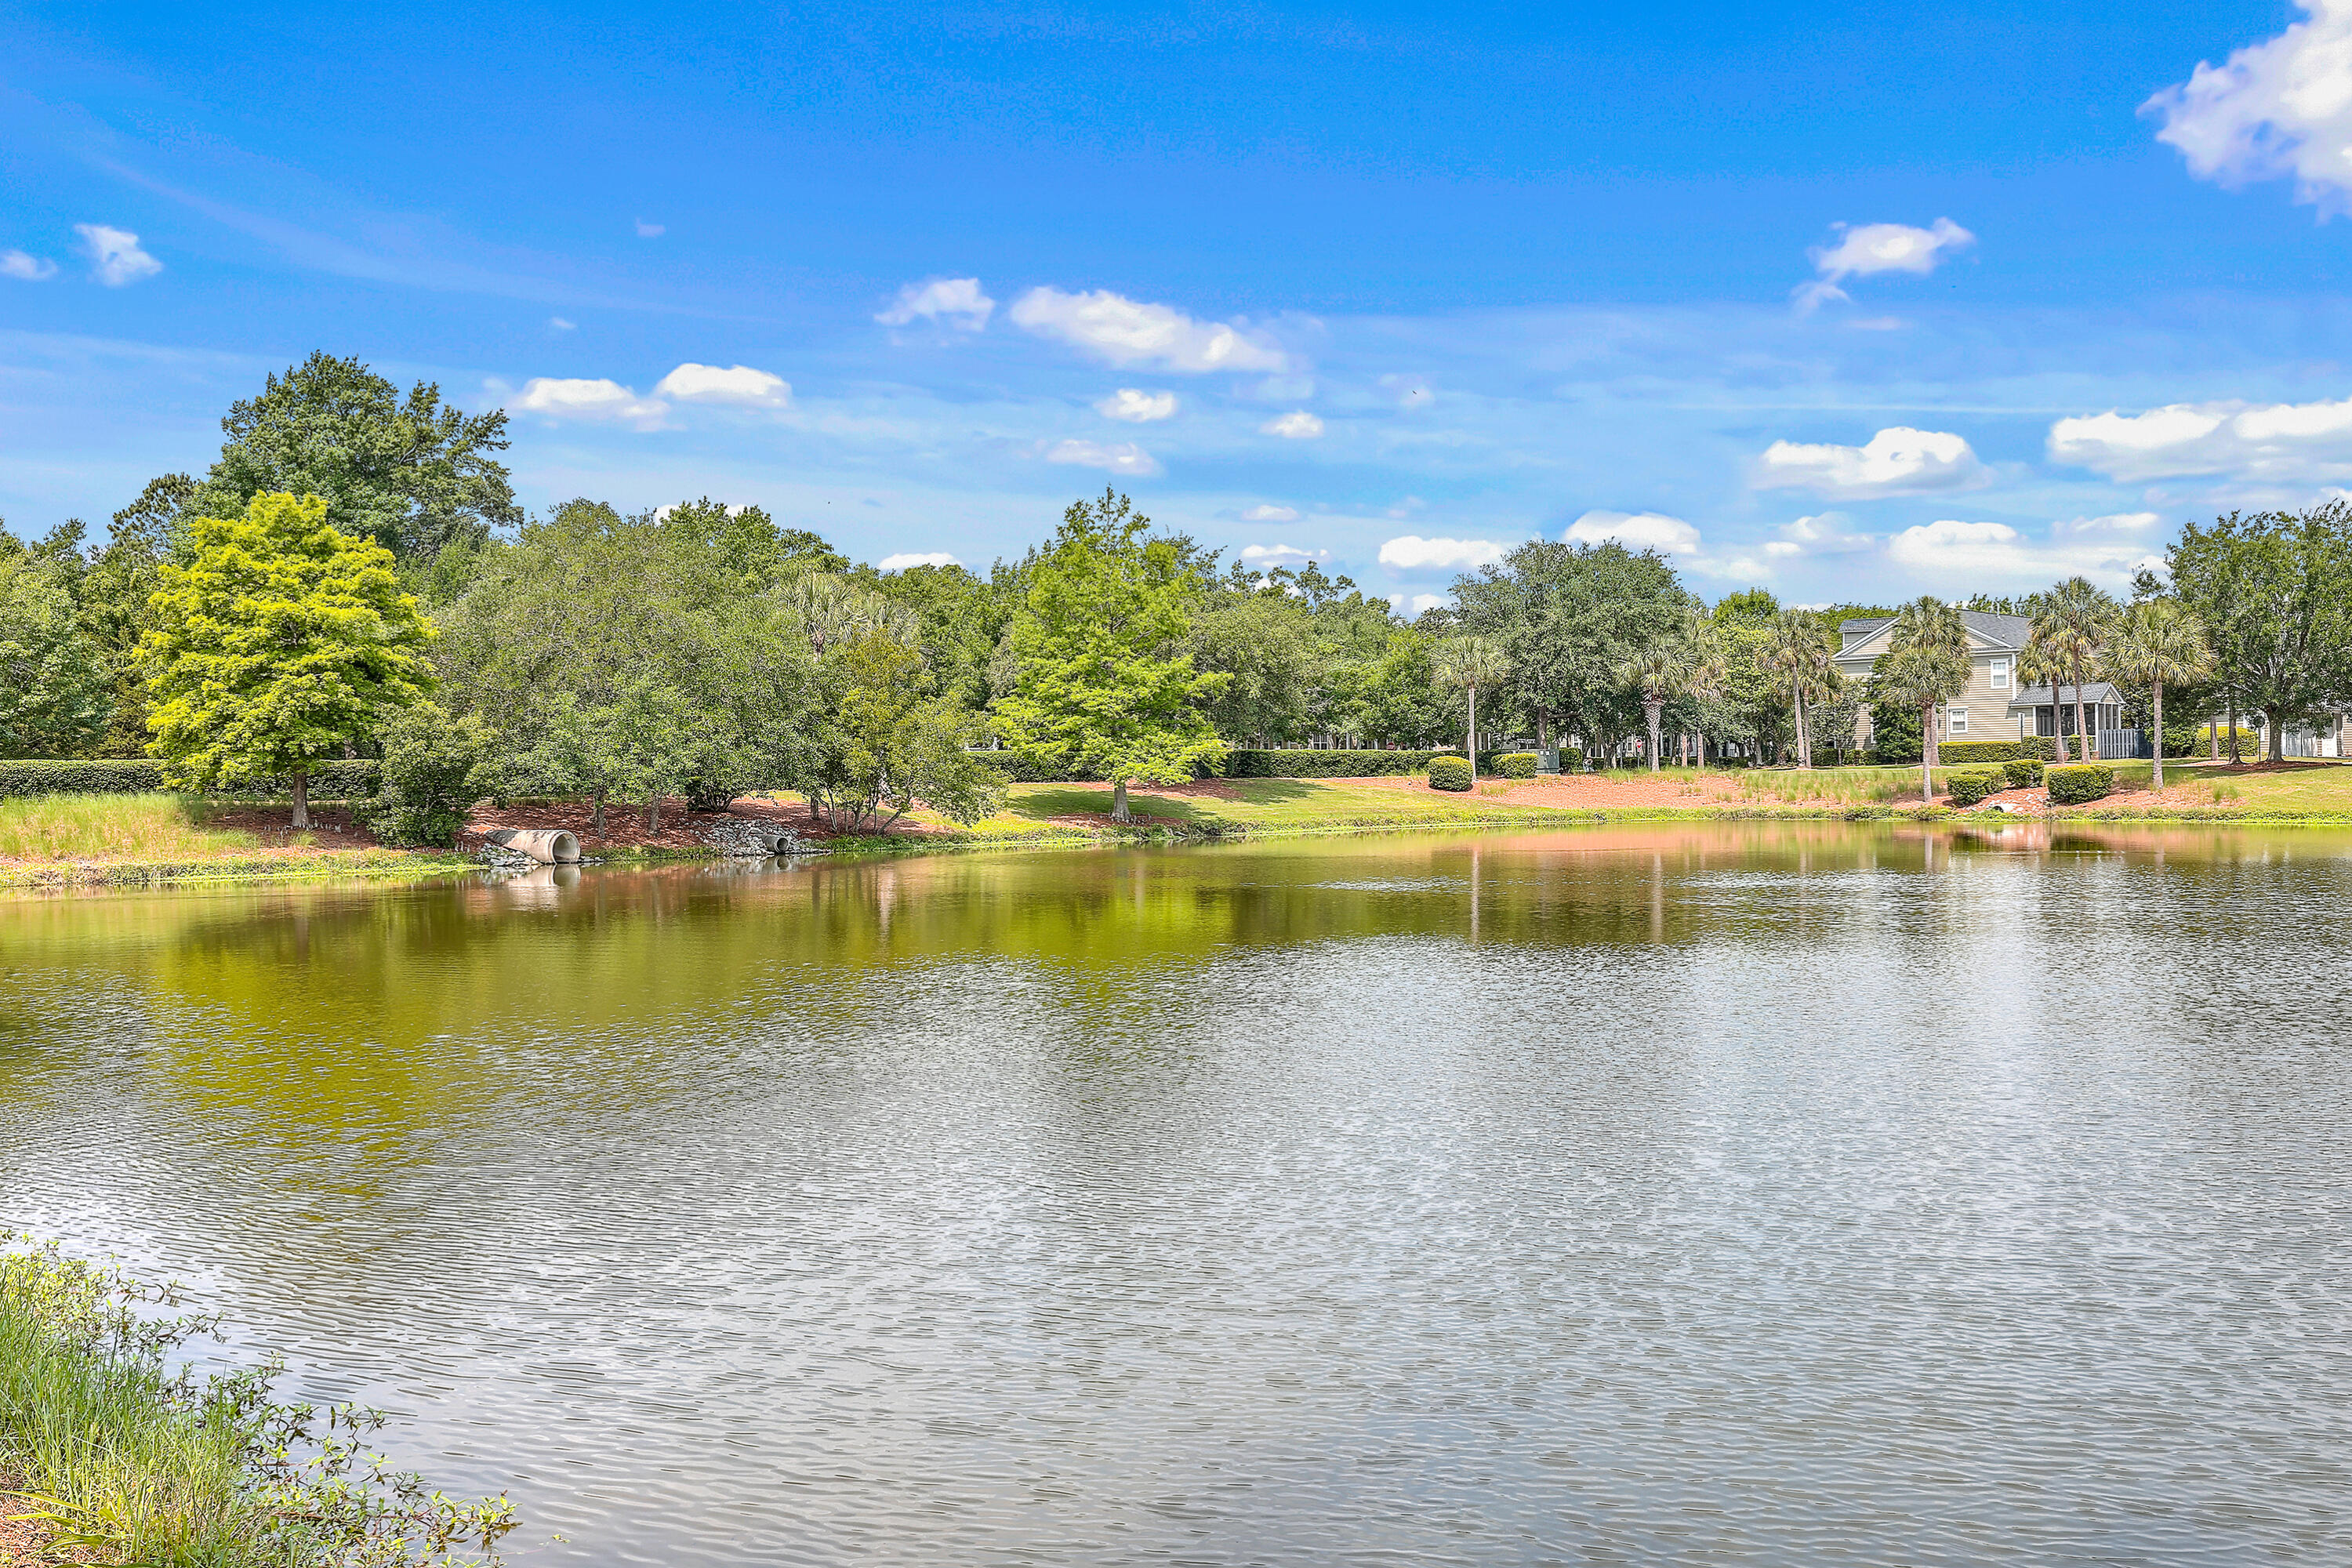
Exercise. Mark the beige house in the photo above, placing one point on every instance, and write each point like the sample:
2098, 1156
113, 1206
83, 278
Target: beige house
1990, 708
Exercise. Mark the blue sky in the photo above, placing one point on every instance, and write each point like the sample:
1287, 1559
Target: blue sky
1843, 300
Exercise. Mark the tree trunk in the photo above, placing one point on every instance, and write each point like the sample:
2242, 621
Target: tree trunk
1474, 734
1118, 811
2057, 725
2212, 739
1926, 754
1650, 711
1804, 731
2234, 758
301, 797
652, 812
2157, 694
597, 826
2090, 747
2277, 728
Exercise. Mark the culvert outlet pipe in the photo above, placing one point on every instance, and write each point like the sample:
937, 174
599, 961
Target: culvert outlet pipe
548, 846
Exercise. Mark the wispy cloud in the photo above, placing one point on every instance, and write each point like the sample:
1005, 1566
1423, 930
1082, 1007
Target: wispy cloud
29, 268
901, 563
1269, 513
2275, 109
1138, 407
1635, 531
1410, 553
956, 302
1126, 458
1864, 250
1950, 552
115, 258
602, 401
2277, 441
1896, 462
1298, 425
650, 230
1121, 331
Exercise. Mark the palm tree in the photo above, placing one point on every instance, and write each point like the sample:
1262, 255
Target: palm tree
1927, 666
2157, 641
2038, 665
2072, 619
1703, 677
1657, 674
1465, 663
1797, 647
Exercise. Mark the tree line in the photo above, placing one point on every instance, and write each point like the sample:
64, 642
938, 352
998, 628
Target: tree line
352, 577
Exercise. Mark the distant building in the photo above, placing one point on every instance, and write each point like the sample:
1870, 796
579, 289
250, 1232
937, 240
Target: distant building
1989, 710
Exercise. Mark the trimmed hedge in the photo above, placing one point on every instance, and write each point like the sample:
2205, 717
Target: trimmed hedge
337, 780
2078, 784
1517, 764
1571, 760
1970, 785
1961, 753
1449, 774
2022, 773
1308, 765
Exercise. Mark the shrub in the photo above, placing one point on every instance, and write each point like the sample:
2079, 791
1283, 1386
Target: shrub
339, 780
2022, 773
2079, 783
1571, 760
1449, 773
1517, 764
1970, 785
431, 773
1308, 764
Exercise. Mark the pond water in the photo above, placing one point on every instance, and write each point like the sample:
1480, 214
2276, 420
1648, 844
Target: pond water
1705, 1194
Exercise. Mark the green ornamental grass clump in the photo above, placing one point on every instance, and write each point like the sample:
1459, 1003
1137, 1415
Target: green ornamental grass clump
1449, 773
2022, 773
1970, 785
1517, 764
2079, 783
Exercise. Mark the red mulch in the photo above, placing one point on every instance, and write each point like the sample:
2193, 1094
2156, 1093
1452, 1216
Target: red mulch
332, 827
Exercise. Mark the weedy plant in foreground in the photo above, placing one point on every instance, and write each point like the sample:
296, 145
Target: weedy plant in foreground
126, 1461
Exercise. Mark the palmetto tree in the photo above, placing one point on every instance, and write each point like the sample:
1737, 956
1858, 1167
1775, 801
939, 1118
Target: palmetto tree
1797, 648
1657, 674
1927, 666
2154, 642
2039, 665
2071, 620
1465, 663
1704, 675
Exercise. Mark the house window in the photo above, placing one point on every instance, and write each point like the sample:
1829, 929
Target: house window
1956, 721
2001, 675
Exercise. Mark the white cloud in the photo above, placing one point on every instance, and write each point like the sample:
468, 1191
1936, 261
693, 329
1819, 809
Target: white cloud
1864, 250
565, 399
1635, 531
1272, 555
558, 324
1138, 407
691, 383
900, 563
1417, 603
1299, 426
1412, 553
2286, 441
2114, 522
30, 269
1128, 331
1959, 555
2282, 107
1823, 533
949, 302
1896, 462
114, 254
1126, 458
650, 230
1266, 513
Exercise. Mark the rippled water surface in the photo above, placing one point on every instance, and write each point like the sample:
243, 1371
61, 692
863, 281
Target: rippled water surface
1722, 1193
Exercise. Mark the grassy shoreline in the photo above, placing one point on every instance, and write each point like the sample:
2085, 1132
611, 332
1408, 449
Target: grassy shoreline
117, 1457
97, 843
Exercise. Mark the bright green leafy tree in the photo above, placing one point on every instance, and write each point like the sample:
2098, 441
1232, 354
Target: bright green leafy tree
282, 641
1106, 684
54, 686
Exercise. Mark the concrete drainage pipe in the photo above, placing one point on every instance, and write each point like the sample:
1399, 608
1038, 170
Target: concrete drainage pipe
548, 846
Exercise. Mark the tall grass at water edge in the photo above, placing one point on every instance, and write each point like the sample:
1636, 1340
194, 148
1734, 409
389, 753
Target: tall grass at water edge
124, 1461
112, 827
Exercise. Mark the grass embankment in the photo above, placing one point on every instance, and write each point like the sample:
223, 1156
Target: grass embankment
117, 1460
1232, 809
54, 840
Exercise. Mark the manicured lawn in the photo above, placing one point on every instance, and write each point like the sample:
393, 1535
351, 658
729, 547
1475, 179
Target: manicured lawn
2315, 788
1033, 809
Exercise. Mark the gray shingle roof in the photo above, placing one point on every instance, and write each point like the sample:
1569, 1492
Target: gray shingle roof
2003, 631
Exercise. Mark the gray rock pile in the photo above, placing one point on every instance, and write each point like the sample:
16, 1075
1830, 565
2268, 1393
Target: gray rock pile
751, 836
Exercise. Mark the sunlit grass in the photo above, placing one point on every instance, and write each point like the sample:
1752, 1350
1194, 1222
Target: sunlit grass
112, 827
